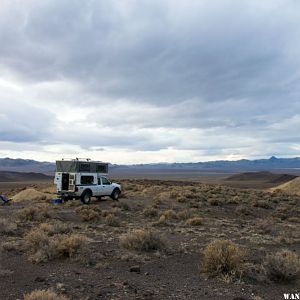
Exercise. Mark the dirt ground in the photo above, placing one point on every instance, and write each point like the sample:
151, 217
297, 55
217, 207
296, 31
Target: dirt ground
259, 222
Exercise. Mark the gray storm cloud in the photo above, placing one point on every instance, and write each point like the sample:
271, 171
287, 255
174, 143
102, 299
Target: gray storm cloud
152, 75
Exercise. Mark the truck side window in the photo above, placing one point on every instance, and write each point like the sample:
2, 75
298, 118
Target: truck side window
105, 181
87, 179
99, 181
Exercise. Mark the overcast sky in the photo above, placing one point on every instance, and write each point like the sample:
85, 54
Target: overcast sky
139, 81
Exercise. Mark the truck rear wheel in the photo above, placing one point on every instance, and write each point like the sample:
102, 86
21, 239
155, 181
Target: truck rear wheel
86, 197
115, 194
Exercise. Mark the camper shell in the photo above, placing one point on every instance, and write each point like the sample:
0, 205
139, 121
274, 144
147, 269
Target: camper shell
83, 178
77, 166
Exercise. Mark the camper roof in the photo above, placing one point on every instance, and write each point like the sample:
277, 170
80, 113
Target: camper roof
77, 166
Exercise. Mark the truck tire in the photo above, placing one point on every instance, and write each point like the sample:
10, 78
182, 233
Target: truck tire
115, 194
86, 197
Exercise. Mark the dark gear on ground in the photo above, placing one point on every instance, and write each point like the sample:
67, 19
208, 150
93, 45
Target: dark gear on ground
4, 199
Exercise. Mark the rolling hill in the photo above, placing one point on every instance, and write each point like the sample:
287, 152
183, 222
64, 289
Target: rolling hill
9, 176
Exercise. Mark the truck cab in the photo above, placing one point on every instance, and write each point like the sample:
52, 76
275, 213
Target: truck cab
84, 179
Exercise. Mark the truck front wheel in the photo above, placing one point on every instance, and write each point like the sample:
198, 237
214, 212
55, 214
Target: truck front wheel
86, 197
115, 194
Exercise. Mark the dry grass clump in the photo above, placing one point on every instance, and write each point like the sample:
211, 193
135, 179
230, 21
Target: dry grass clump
88, 213
122, 205
182, 199
7, 226
43, 245
12, 246
55, 228
116, 211
162, 221
143, 240
174, 194
34, 213
223, 257
196, 221
215, 202
150, 212
151, 190
44, 295
184, 214
169, 214
234, 200
69, 245
243, 210
283, 266
262, 204
112, 220
163, 196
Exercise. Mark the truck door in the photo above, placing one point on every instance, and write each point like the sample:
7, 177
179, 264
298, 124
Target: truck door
106, 187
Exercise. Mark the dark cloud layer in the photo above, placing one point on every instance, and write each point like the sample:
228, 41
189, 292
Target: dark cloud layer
151, 75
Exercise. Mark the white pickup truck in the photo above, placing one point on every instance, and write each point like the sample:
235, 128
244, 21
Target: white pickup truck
72, 182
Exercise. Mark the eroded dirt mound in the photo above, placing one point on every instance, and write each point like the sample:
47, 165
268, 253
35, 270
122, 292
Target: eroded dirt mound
32, 195
291, 187
262, 176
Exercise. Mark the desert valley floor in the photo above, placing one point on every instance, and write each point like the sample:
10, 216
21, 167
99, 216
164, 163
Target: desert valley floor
162, 240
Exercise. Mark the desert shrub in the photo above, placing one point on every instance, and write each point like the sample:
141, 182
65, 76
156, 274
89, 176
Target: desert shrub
196, 221
44, 295
234, 200
42, 247
215, 202
69, 245
112, 220
293, 219
283, 266
116, 211
122, 205
39, 245
150, 212
12, 246
184, 214
88, 213
191, 195
182, 199
223, 257
169, 214
34, 213
162, 221
280, 215
55, 228
174, 194
243, 210
262, 204
143, 240
7, 226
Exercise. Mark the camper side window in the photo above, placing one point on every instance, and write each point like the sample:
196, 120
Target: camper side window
87, 180
84, 168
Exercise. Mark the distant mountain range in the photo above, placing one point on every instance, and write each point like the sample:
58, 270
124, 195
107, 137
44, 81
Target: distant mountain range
273, 163
26, 165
